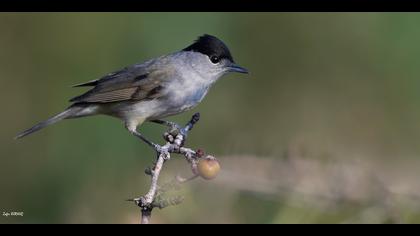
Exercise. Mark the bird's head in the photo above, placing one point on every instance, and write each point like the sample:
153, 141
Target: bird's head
210, 56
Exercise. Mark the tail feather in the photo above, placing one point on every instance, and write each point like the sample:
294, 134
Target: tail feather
71, 111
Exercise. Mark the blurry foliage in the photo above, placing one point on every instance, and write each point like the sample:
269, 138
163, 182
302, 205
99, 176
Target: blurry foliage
344, 85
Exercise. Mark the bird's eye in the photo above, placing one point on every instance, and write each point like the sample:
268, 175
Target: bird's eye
214, 59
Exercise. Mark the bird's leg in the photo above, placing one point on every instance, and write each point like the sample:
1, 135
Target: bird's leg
155, 146
177, 132
176, 129
173, 127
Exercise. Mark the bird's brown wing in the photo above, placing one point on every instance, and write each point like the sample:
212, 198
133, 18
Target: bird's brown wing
138, 82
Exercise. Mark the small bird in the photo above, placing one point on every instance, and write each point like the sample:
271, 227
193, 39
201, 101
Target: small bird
154, 89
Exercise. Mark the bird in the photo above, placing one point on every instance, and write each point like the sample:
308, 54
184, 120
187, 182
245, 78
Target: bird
152, 90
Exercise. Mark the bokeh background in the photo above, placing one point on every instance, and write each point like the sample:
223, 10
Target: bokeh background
325, 129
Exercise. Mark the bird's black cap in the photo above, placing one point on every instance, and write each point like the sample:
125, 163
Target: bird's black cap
210, 46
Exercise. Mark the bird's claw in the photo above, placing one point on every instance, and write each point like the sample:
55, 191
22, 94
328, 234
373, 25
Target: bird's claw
162, 150
176, 129
174, 133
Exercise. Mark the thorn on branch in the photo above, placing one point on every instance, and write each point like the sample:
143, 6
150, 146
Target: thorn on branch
194, 119
148, 171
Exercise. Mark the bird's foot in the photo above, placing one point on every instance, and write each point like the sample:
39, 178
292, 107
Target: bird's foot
176, 129
176, 135
162, 150
177, 139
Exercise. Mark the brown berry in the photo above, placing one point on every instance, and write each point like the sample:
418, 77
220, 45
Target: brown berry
208, 167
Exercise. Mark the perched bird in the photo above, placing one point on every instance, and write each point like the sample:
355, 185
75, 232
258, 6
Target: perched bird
154, 89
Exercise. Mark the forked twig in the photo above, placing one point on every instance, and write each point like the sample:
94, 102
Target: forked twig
174, 144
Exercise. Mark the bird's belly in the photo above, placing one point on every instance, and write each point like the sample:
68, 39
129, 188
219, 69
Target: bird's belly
174, 106
174, 103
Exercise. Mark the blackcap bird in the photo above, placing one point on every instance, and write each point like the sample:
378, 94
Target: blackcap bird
154, 89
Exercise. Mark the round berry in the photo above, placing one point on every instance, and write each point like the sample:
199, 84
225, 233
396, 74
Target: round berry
208, 167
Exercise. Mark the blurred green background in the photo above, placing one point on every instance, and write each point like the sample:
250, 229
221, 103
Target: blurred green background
325, 129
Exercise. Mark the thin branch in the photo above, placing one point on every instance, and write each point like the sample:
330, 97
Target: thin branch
146, 215
175, 141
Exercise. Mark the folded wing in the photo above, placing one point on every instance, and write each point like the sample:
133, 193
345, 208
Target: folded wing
138, 82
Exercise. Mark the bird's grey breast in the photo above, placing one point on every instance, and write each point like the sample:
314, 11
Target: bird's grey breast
187, 88
186, 92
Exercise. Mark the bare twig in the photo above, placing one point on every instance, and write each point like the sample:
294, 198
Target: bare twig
175, 141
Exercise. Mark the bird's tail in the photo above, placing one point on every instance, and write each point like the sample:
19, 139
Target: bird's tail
68, 113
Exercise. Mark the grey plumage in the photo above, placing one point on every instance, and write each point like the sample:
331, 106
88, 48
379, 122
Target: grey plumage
131, 83
69, 112
152, 90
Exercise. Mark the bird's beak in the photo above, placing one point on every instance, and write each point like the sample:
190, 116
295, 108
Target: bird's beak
235, 68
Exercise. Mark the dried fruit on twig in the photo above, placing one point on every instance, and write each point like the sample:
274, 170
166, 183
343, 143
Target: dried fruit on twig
208, 167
